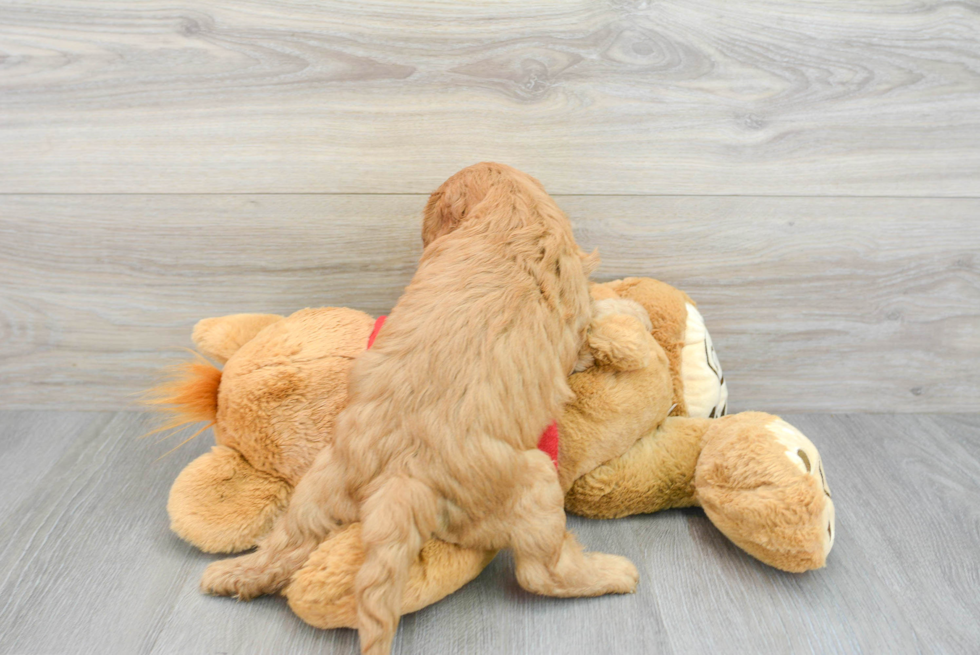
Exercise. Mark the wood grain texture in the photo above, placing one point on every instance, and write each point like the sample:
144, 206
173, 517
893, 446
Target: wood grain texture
87, 564
815, 304
777, 97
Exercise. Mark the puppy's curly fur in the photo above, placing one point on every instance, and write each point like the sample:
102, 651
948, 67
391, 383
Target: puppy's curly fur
446, 409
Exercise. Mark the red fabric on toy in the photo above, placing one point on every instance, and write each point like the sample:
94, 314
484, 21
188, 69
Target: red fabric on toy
549, 442
377, 328
549, 438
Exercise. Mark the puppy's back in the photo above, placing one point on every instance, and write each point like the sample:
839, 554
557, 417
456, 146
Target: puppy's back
479, 344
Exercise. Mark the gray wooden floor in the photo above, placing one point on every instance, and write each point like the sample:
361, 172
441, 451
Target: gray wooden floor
87, 564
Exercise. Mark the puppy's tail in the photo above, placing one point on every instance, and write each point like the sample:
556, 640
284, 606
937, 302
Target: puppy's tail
396, 521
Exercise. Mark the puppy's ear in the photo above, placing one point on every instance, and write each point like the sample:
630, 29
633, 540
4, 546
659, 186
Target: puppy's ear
621, 341
590, 262
440, 216
455, 199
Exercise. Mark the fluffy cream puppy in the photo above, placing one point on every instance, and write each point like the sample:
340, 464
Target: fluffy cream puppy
439, 437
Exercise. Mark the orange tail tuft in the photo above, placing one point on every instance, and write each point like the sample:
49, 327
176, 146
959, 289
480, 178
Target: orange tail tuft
188, 395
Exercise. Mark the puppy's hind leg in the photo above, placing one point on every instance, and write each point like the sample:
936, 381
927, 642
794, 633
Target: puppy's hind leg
549, 560
267, 570
319, 505
395, 521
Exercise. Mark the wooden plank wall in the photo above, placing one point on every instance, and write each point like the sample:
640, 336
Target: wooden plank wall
808, 171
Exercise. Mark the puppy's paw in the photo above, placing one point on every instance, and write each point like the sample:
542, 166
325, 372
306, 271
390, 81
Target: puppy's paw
229, 578
616, 575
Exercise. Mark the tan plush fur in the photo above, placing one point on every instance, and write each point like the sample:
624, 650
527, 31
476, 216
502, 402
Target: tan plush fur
733, 467
220, 338
445, 411
282, 392
655, 473
617, 418
322, 592
622, 456
651, 464
273, 409
666, 306
223, 504
762, 501
611, 404
616, 395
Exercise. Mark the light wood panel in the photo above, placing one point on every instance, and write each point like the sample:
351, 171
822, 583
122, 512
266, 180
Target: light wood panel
815, 304
88, 565
776, 97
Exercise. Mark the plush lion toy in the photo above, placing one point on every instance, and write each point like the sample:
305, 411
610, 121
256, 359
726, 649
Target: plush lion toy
647, 431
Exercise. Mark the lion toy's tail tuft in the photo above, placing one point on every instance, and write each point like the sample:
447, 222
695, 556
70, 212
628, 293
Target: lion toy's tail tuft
189, 394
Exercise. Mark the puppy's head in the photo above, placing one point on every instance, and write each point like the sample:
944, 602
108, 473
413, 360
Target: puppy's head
451, 204
513, 202
512, 211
